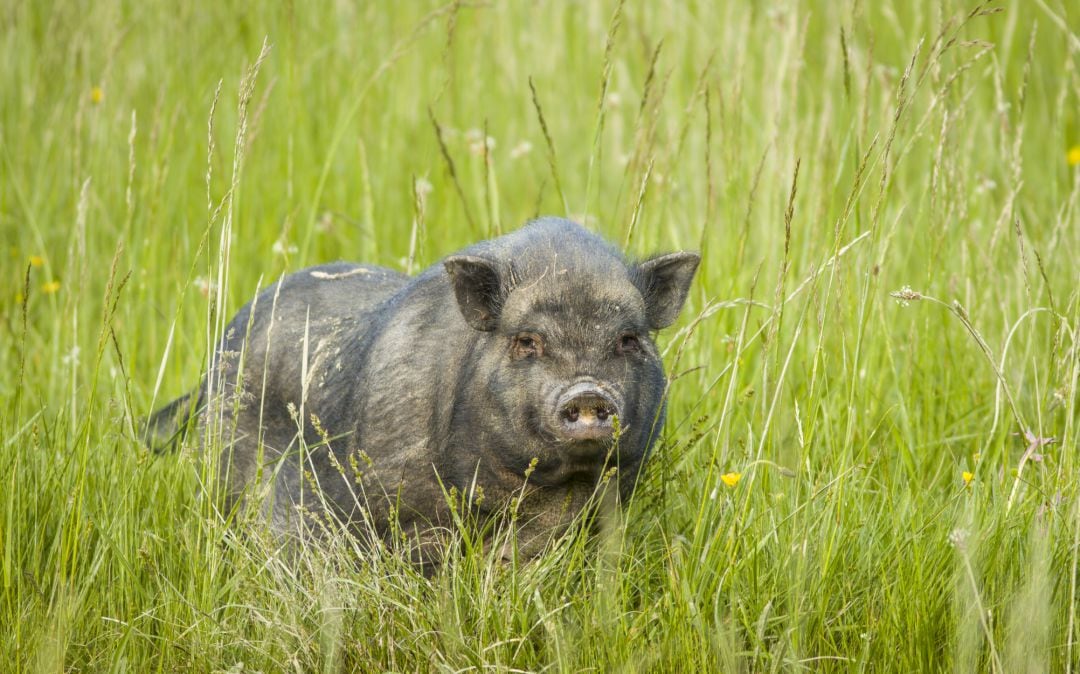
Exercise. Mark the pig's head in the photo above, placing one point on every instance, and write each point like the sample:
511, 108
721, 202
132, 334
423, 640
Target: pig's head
563, 347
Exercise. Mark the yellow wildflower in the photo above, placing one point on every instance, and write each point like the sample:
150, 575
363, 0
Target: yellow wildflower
36, 260
1073, 155
97, 94
50, 287
968, 477
731, 479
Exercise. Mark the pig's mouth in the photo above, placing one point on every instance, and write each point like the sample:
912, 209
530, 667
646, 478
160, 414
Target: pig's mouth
586, 451
564, 461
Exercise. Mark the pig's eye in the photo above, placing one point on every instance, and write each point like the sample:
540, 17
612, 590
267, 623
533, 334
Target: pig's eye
527, 345
629, 343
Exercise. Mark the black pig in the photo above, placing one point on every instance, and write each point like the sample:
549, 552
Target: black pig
499, 371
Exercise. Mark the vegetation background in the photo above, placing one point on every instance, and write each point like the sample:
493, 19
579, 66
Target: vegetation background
849, 480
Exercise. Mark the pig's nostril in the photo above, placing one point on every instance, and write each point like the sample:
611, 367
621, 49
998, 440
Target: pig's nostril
585, 413
599, 411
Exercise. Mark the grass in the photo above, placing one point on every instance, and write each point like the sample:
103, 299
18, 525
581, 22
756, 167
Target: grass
821, 155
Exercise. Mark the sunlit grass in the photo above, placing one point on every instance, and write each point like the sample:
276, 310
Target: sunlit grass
871, 452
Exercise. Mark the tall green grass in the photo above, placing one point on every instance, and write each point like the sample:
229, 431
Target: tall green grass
844, 483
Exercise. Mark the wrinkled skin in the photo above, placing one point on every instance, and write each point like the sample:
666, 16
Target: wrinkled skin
516, 351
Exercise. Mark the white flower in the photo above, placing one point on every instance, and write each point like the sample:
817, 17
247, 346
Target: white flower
906, 296
204, 286
958, 538
521, 149
325, 222
283, 247
477, 146
423, 187
985, 185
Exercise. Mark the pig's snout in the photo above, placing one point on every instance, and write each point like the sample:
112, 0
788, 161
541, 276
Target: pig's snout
585, 412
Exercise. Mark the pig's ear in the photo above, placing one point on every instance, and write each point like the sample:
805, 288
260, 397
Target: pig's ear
478, 289
664, 282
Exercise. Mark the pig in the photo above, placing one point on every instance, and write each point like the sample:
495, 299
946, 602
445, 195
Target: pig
521, 370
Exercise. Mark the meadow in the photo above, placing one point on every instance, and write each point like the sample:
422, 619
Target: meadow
870, 461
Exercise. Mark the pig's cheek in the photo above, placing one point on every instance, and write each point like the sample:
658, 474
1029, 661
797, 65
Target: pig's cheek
531, 392
533, 421
644, 397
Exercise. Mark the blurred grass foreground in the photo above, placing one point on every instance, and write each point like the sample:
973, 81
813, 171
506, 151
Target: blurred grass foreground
870, 461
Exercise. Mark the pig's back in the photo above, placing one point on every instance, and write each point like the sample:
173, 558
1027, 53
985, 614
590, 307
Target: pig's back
328, 308
346, 288
334, 293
